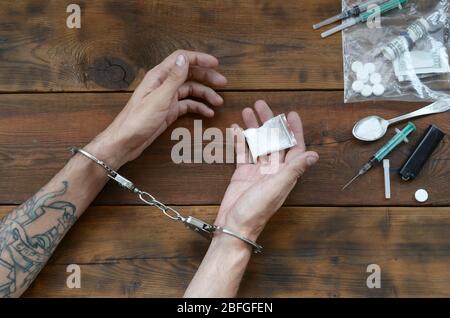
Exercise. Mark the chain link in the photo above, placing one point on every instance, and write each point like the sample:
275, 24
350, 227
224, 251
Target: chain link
167, 210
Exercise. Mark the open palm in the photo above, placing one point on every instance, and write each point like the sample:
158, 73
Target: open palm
258, 190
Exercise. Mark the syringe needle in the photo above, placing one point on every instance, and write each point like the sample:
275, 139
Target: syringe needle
350, 182
328, 21
346, 24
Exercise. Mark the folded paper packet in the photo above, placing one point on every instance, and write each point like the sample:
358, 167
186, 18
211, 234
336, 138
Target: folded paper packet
274, 135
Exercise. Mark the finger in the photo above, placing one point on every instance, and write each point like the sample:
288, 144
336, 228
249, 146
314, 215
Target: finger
153, 79
297, 166
207, 75
192, 106
195, 89
150, 82
287, 177
240, 146
157, 75
249, 117
263, 160
265, 113
200, 59
194, 58
295, 123
278, 156
263, 110
177, 75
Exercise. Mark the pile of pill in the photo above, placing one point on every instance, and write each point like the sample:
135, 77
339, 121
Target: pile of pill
368, 81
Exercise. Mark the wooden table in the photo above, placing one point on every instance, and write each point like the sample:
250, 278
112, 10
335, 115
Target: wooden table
60, 87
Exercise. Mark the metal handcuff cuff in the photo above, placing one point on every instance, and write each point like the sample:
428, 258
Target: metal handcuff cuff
205, 229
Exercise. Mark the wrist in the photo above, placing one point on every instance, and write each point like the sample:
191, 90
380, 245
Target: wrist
229, 244
246, 228
243, 232
107, 150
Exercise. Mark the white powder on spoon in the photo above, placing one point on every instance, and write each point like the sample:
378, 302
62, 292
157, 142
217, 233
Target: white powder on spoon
370, 129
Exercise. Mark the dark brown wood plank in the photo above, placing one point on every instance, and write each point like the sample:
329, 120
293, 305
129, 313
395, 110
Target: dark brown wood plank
36, 131
261, 44
324, 252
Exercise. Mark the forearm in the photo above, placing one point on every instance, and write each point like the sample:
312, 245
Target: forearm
30, 233
221, 270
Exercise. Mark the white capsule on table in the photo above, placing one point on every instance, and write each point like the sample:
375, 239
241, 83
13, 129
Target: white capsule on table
378, 89
362, 76
357, 66
367, 91
358, 86
375, 78
369, 68
421, 195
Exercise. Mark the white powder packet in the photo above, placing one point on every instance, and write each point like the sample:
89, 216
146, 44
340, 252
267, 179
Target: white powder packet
274, 135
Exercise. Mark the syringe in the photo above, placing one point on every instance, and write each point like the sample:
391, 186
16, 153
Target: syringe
352, 12
400, 137
365, 16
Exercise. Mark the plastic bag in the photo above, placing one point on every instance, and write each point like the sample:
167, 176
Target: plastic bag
409, 48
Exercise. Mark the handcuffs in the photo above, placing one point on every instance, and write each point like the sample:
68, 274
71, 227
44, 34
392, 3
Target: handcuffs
203, 228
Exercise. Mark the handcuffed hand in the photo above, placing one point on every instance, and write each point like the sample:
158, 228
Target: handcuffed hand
162, 97
253, 197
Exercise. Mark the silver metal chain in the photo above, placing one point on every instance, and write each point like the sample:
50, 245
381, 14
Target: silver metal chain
198, 226
167, 210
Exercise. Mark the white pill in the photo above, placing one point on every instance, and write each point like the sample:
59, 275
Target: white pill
378, 89
358, 86
367, 91
369, 68
357, 66
362, 76
375, 78
421, 195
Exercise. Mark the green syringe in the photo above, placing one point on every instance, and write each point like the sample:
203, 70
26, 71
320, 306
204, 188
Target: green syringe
378, 157
365, 16
351, 12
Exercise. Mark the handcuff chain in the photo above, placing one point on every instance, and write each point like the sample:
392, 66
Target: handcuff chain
195, 224
167, 210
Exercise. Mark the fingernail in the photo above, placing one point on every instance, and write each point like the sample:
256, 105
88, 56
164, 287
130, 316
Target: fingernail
180, 60
311, 160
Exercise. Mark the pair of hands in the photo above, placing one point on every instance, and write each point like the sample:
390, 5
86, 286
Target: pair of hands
164, 95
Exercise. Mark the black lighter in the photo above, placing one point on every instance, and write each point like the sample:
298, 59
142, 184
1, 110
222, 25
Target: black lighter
421, 153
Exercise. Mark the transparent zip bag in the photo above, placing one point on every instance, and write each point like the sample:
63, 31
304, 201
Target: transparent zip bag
398, 55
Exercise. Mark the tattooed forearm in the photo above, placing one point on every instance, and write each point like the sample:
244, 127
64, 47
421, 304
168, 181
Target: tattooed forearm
28, 237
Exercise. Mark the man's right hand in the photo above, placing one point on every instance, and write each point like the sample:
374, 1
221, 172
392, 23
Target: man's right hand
253, 197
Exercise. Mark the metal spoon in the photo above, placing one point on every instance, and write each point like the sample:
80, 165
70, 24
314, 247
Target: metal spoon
374, 127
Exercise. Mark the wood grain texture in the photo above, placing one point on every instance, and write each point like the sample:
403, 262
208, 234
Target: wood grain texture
134, 251
261, 44
323, 252
36, 131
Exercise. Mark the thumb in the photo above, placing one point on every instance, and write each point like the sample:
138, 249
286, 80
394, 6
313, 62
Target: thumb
300, 164
177, 75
